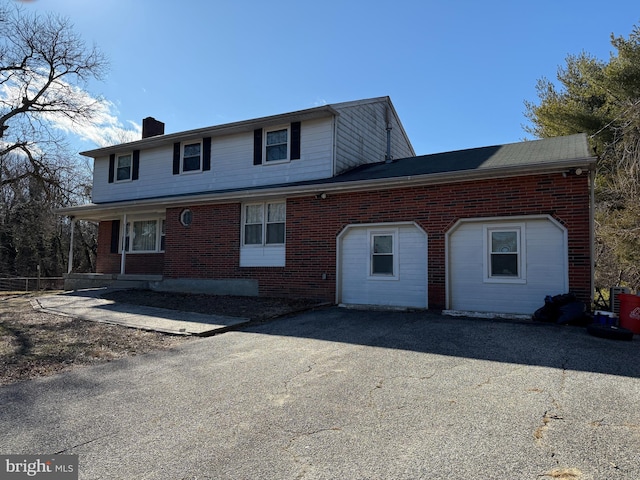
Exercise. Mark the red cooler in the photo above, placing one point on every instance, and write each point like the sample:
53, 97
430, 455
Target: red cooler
630, 312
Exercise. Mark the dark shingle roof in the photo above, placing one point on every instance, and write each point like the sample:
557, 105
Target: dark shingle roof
536, 152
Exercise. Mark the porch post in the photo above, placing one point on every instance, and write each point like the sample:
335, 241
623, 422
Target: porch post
124, 244
73, 225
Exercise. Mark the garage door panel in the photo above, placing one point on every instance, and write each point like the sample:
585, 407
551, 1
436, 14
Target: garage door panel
545, 268
408, 289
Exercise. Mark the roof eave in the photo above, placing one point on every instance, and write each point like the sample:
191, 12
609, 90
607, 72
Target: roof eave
224, 129
96, 212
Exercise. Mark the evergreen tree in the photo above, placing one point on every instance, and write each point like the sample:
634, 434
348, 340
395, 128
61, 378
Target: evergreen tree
602, 99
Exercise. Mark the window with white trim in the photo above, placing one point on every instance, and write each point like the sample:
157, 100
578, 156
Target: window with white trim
383, 254
276, 144
264, 223
191, 157
124, 167
145, 236
504, 253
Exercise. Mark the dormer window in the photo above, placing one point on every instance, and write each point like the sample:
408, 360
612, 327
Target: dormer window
123, 168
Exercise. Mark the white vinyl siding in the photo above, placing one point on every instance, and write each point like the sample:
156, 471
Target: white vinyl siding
544, 260
362, 135
407, 288
231, 167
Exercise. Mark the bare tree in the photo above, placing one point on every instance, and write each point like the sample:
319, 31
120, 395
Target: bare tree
44, 66
44, 71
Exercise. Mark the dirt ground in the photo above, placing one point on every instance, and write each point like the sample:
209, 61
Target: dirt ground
253, 308
35, 344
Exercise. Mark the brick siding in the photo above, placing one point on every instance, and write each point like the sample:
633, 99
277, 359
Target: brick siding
210, 246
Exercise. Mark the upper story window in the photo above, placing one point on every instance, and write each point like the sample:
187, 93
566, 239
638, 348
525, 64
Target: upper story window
276, 145
123, 167
264, 223
192, 157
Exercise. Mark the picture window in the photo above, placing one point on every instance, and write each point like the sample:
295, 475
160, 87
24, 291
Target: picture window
145, 236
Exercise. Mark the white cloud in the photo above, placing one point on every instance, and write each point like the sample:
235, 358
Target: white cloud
102, 129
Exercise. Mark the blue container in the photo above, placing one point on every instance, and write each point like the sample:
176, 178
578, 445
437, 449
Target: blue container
605, 318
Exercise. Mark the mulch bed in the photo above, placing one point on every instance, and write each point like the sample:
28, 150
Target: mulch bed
253, 308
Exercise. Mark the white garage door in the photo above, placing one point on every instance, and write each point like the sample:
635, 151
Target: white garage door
383, 264
506, 265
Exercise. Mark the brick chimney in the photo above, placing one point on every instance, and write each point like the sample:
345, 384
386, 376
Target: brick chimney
152, 127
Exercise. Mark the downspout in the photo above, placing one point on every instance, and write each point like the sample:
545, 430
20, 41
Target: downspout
334, 165
388, 158
73, 224
123, 254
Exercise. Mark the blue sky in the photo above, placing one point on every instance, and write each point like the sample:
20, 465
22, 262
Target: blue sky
458, 72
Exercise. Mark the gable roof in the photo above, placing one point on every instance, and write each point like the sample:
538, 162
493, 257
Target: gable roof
322, 111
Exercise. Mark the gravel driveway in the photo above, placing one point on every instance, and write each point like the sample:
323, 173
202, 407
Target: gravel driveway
347, 394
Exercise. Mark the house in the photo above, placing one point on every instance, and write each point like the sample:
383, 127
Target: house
332, 203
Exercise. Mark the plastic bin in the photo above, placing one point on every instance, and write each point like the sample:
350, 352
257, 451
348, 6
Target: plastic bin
630, 312
605, 318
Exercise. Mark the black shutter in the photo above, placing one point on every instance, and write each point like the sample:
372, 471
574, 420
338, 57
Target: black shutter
257, 146
135, 169
112, 166
206, 153
176, 158
115, 235
295, 140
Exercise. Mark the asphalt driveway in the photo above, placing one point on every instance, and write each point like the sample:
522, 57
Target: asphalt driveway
347, 394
